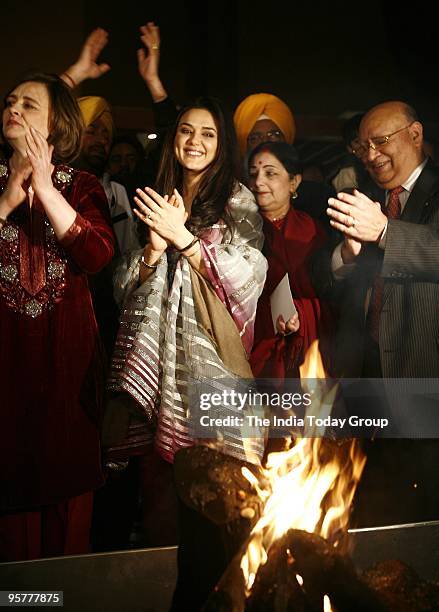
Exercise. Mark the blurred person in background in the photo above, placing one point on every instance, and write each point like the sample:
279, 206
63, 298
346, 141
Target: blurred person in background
127, 165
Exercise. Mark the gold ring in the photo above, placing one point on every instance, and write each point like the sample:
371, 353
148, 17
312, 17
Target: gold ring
155, 47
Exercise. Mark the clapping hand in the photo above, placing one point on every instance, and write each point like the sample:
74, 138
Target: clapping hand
14, 193
162, 216
357, 217
39, 153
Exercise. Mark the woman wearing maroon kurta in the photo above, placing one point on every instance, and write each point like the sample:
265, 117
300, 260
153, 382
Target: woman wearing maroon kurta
291, 238
54, 231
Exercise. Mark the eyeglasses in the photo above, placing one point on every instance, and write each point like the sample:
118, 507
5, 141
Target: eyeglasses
256, 137
360, 149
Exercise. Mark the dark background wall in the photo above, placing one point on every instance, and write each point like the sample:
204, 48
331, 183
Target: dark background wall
323, 59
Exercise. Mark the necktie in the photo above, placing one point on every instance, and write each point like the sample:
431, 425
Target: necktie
393, 211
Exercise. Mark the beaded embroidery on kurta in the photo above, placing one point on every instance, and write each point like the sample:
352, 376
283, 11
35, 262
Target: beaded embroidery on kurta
55, 259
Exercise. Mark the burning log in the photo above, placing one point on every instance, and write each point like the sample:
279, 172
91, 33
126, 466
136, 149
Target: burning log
218, 508
212, 483
401, 588
271, 538
302, 568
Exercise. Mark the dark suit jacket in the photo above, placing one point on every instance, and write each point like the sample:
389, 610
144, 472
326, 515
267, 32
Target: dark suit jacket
409, 264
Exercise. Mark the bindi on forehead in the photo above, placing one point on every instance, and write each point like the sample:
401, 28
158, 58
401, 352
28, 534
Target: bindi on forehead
258, 162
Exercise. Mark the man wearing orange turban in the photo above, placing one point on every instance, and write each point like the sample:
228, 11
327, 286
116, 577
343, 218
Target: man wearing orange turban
95, 150
99, 133
262, 117
99, 129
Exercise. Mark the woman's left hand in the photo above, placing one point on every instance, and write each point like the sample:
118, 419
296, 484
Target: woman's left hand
39, 153
163, 217
289, 327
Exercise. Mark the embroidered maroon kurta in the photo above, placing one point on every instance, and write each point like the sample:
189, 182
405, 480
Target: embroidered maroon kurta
51, 367
289, 244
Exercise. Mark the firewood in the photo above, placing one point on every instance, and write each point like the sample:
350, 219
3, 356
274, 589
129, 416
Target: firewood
212, 483
401, 587
218, 508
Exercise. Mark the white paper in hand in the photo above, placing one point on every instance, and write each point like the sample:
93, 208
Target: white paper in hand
281, 302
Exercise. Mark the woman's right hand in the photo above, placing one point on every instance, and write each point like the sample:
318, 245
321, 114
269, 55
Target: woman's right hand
14, 194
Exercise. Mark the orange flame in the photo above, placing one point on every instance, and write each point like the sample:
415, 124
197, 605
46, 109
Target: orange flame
312, 484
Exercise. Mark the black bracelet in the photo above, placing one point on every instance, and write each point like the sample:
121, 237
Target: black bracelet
191, 244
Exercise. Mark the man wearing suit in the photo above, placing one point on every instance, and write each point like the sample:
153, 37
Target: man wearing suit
389, 264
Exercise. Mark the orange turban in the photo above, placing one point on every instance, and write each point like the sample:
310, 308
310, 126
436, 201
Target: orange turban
94, 107
252, 107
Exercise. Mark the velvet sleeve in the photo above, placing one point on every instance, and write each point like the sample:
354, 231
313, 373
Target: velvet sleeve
90, 239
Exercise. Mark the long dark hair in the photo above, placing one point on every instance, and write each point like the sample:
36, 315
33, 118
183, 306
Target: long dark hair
218, 181
65, 119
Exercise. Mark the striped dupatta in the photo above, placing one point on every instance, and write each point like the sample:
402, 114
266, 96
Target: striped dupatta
194, 330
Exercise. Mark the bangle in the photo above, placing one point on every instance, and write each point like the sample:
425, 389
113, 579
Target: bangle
2, 222
147, 265
192, 252
188, 246
66, 74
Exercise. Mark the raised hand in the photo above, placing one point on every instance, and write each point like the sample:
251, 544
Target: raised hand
148, 62
86, 66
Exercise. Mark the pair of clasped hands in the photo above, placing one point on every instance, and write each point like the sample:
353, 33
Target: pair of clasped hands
165, 217
359, 219
34, 161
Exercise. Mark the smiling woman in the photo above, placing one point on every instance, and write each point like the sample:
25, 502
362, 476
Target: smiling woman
54, 231
196, 140
292, 238
201, 273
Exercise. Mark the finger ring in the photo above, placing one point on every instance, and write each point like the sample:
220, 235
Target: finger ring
155, 47
353, 222
148, 216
